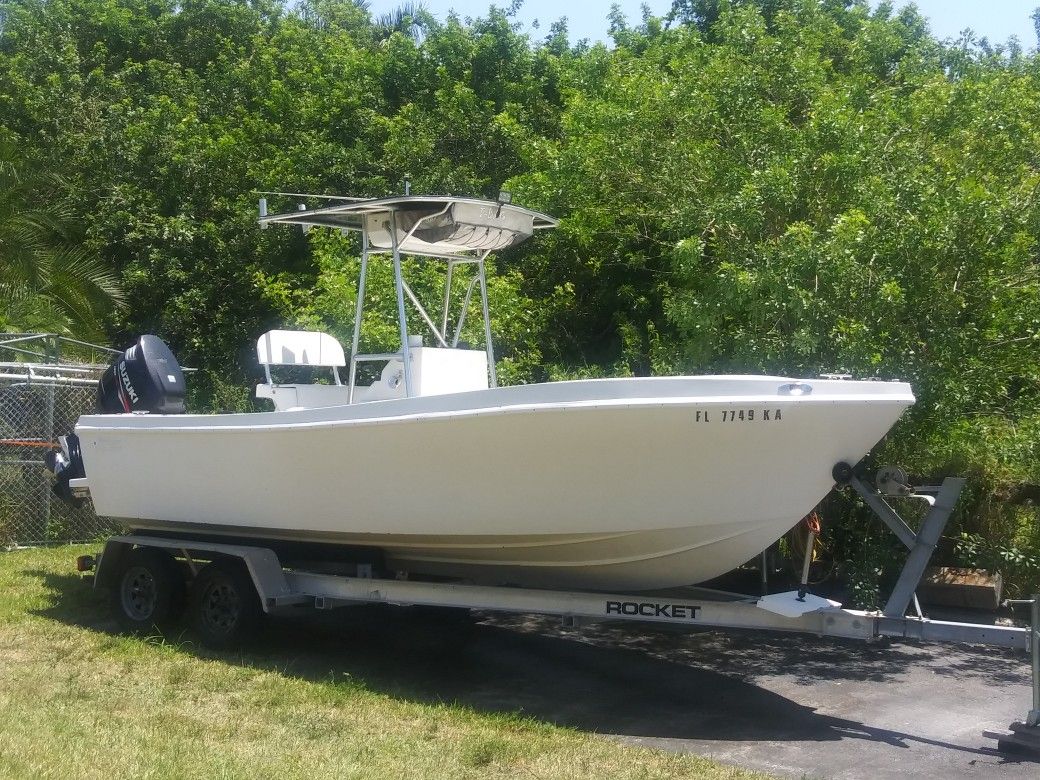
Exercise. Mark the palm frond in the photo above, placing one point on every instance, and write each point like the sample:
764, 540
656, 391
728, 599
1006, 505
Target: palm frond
48, 279
410, 19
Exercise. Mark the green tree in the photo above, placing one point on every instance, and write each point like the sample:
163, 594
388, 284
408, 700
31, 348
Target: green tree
49, 281
789, 186
412, 20
794, 187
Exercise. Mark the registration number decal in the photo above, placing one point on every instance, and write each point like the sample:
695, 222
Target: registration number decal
737, 415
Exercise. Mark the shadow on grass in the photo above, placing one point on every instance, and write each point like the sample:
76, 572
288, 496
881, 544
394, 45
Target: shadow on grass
614, 679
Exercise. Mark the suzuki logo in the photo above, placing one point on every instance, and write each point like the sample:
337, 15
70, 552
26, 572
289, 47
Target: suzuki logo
126, 382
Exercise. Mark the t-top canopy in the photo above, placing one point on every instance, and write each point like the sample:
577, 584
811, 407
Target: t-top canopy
435, 226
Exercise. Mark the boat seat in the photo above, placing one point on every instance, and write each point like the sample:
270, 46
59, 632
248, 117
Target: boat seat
301, 348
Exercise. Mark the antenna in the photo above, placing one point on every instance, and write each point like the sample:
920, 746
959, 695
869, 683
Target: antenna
306, 195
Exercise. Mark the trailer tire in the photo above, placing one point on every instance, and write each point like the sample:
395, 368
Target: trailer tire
225, 609
148, 591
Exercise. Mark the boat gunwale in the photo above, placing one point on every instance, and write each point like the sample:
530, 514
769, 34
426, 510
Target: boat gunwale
142, 423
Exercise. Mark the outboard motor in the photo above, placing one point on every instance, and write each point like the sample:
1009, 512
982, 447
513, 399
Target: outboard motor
145, 378
66, 464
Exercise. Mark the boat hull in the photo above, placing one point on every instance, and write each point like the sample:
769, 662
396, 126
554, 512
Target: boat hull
629, 483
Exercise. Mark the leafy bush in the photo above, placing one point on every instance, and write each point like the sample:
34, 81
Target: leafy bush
1020, 569
787, 186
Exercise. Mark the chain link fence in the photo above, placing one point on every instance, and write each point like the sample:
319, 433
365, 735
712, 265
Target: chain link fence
40, 401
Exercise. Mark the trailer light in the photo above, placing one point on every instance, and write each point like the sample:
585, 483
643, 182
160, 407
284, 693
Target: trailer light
85, 563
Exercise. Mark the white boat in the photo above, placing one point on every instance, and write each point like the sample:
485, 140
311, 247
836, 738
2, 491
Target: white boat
635, 483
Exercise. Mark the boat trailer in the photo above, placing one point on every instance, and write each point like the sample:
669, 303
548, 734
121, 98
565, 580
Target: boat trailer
279, 587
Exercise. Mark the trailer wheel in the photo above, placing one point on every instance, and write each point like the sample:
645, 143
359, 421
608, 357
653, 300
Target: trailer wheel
148, 592
225, 607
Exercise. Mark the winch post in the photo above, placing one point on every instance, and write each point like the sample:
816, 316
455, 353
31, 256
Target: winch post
922, 544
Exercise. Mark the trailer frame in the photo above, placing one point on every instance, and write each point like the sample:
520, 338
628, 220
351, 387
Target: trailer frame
279, 587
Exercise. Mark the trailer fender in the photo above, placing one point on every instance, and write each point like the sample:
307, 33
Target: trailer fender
261, 563
109, 563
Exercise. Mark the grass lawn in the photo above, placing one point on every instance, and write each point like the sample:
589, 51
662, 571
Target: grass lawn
308, 700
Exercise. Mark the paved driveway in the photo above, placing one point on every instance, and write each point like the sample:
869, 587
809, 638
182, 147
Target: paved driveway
789, 705
785, 704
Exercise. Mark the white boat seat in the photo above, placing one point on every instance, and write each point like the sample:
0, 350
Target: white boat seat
299, 348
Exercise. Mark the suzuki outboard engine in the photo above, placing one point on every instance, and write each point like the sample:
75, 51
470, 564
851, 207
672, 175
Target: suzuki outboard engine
145, 378
66, 464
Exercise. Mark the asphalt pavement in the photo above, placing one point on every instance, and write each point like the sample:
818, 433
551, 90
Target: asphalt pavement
788, 705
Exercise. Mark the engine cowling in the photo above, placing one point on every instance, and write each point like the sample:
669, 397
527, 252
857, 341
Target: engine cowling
145, 378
